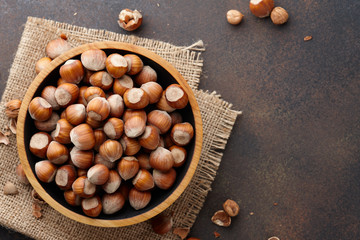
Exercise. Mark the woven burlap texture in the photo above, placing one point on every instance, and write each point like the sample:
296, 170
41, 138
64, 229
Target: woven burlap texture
217, 115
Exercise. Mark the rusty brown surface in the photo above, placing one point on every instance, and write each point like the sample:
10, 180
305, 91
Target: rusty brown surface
297, 143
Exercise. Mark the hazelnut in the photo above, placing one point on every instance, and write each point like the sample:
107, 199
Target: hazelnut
130, 20
261, 8
231, 208
274, 238
72, 71
100, 160
81, 158
113, 182
81, 172
112, 203
93, 59
139, 199
176, 97
62, 131
136, 98
179, 155
57, 153
164, 180
135, 64
144, 160
101, 79
150, 138
143, 181
48, 125
130, 145
134, 126
66, 94
93, 123
98, 174
98, 109
82, 136
48, 93
100, 138
92, 207
175, 118
56, 47
234, 17
122, 84
161, 159
147, 74
45, 171
75, 114
221, 218
153, 90
279, 16
71, 198
83, 187
128, 167
65, 176
81, 98
39, 143
12, 108
113, 128
116, 65
111, 150
182, 133
41, 64
116, 105
162, 104
162, 223
93, 92
160, 119
21, 176
40, 109
128, 113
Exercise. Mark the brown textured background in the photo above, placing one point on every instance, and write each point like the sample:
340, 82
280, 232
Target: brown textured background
298, 141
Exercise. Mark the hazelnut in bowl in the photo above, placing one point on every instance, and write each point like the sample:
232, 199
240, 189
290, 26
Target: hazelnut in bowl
109, 134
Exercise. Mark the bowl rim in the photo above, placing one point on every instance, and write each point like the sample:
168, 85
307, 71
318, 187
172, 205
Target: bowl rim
109, 222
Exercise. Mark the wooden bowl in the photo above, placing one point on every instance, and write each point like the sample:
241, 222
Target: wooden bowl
167, 75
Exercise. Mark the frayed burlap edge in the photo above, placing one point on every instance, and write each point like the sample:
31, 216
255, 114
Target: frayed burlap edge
217, 115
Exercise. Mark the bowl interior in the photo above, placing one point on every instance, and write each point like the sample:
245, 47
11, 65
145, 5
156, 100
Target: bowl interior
158, 196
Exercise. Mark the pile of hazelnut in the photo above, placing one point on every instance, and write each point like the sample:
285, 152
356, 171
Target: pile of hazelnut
108, 131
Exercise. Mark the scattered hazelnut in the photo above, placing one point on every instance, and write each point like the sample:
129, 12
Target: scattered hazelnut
4, 139
12, 108
279, 16
221, 218
261, 8
234, 17
130, 20
231, 208
36, 197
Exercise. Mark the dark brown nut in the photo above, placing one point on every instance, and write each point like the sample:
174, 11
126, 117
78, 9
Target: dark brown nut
12, 108
162, 223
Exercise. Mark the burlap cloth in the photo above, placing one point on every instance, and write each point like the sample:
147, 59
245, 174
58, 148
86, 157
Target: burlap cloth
217, 115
